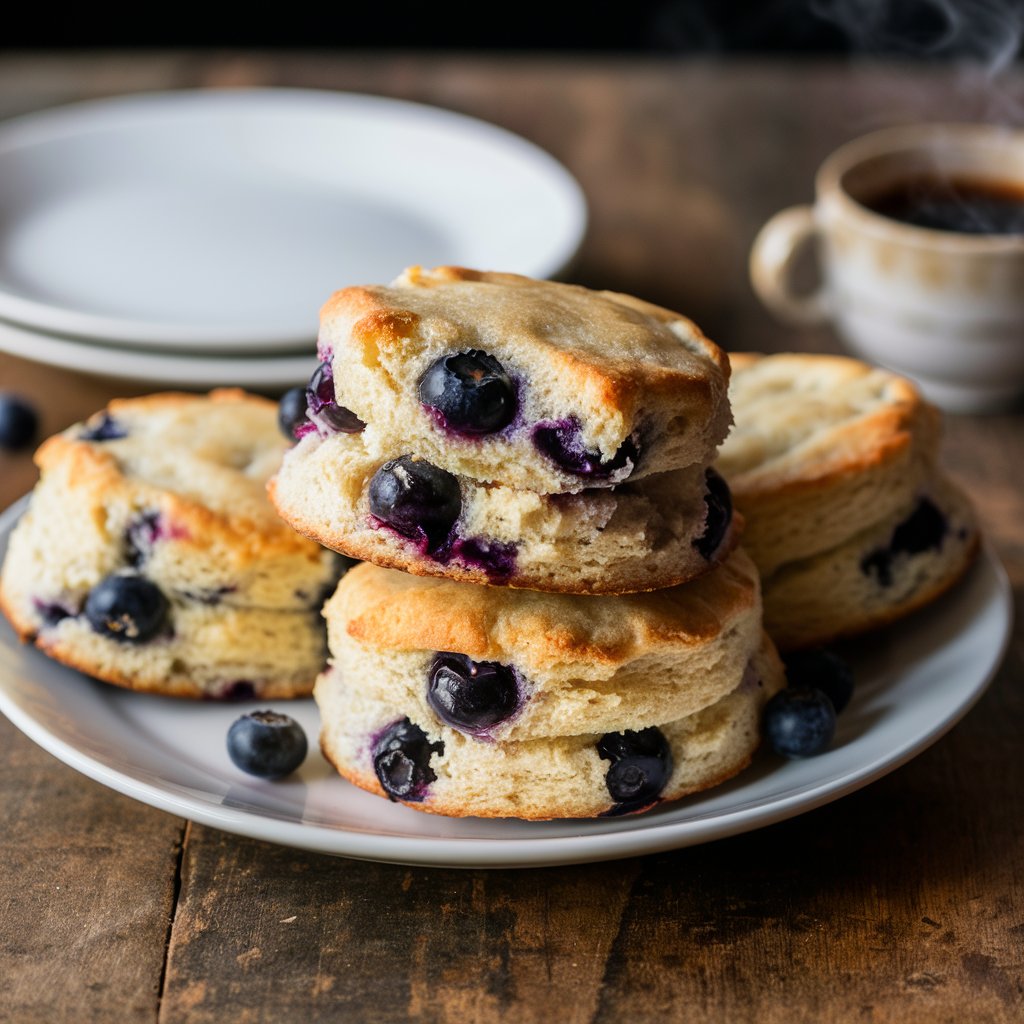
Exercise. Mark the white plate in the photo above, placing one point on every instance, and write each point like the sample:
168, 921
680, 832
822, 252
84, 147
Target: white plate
187, 370
915, 683
225, 218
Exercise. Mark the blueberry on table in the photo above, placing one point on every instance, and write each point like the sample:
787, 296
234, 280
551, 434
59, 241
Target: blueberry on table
821, 669
127, 608
267, 743
799, 723
718, 502
18, 423
471, 696
470, 392
291, 411
416, 498
401, 761
641, 764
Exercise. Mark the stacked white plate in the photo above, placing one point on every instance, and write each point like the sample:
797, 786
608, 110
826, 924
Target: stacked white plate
189, 238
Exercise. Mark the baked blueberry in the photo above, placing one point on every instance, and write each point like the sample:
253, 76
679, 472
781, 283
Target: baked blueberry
471, 696
291, 411
267, 743
401, 760
142, 533
560, 441
718, 502
495, 557
323, 406
127, 608
821, 669
641, 763
238, 690
469, 392
103, 428
416, 498
18, 423
923, 530
52, 612
799, 723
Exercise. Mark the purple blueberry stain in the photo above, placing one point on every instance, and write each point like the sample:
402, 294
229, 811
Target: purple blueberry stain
473, 697
925, 529
103, 427
323, 408
561, 442
53, 612
401, 755
144, 531
718, 515
495, 558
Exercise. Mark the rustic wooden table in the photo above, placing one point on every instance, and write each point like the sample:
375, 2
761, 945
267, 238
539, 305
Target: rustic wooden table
902, 902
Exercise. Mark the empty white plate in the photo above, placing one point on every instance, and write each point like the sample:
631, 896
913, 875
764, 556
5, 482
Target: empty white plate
224, 218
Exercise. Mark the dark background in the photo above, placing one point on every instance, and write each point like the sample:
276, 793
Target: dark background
979, 30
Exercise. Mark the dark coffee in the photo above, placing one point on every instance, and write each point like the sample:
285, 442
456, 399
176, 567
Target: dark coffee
971, 206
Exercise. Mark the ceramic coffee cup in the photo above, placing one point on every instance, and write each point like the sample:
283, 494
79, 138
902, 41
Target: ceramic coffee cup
943, 307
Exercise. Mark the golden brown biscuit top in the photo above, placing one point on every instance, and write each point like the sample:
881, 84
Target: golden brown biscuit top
801, 420
614, 349
202, 459
393, 610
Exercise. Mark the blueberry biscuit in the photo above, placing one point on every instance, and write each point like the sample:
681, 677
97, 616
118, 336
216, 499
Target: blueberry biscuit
150, 557
408, 514
491, 428
851, 521
533, 384
470, 701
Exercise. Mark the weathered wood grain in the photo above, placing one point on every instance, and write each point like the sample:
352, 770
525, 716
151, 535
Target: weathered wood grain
903, 902
87, 888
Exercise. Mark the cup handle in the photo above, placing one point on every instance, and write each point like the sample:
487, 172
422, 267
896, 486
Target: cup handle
771, 263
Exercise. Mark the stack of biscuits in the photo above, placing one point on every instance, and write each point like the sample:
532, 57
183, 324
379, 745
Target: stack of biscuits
553, 618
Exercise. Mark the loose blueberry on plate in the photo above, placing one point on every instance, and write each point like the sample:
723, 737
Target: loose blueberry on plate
126, 608
291, 411
799, 723
560, 442
416, 498
401, 761
18, 423
718, 501
267, 743
321, 401
470, 392
471, 696
641, 763
821, 669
